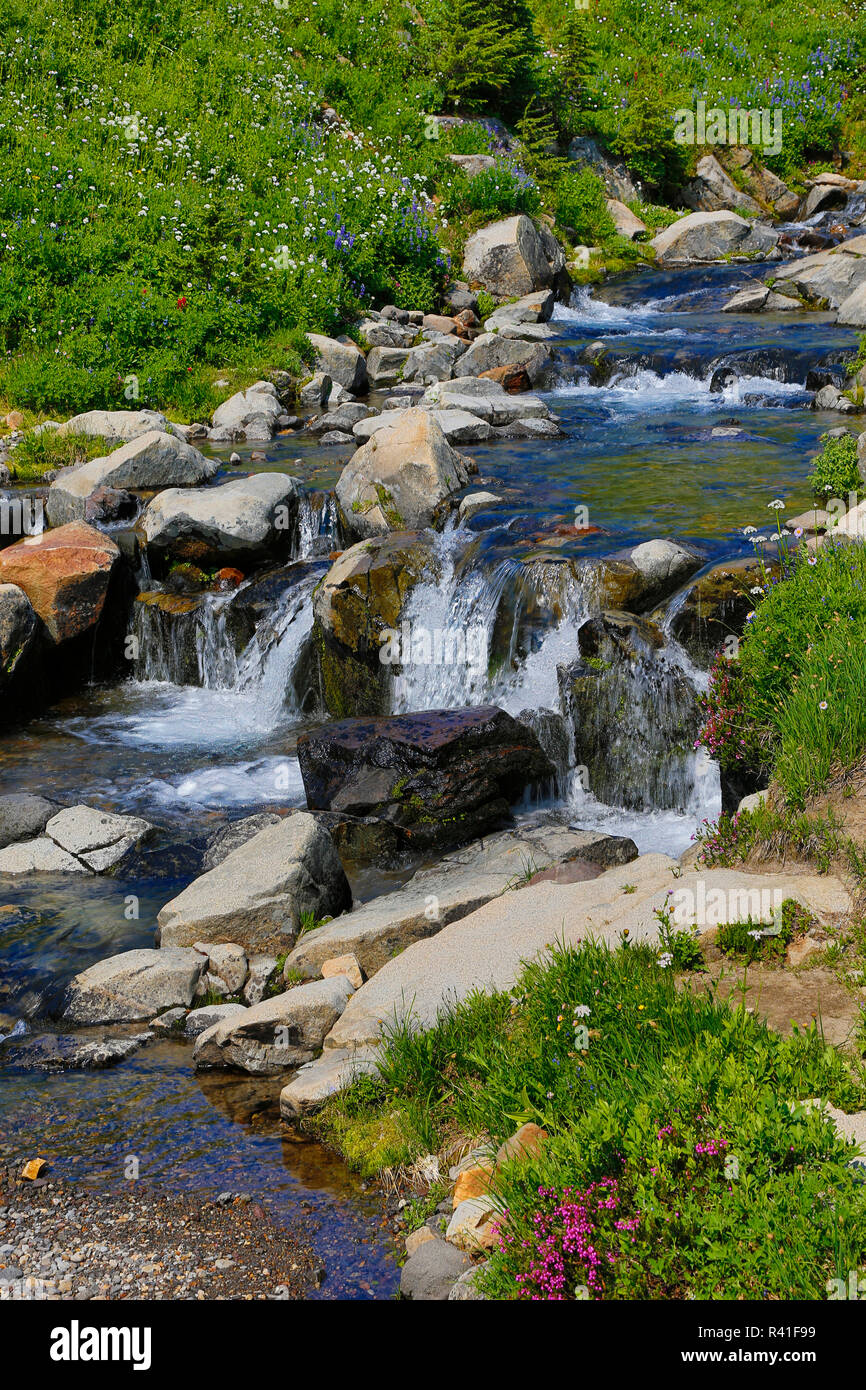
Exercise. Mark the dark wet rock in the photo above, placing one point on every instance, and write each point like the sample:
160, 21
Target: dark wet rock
637, 579
441, 777
713, 609
23, 815
109, 504
722, 379
360, 599
68, 1052
636, 714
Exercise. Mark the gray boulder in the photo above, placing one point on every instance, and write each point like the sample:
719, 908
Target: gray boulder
98, 838
133, 985
252, 414
831, 276
23, 815
530, 308
627, 224
433, 361
278, 1033
402, 479
150, 460
512, 257
116, 424
342, 360
258, 893
430, 1274
711, 190
247, 521
710, 236
492, 350
385, 365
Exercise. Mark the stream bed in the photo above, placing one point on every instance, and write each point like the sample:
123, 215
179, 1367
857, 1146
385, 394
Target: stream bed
640, 456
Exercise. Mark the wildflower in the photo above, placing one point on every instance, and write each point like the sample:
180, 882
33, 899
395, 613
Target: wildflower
776, 505
822, 704
813, 560
798, 531
181, 303
665, 960
749, 530
582, 1011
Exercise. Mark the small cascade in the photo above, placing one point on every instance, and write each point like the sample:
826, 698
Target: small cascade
635, 713
199, 642
183, 640
489, 635
317, 531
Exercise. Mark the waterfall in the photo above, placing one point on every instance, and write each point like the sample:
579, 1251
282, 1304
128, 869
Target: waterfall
193, 642
493, 634
317, 530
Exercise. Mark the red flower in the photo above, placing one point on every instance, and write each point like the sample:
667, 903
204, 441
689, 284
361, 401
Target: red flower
181, 303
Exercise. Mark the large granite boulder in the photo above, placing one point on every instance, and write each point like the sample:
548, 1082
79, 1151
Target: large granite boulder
150, 460
402, 479
710, 236
712, 190
245, 522
341, 360
440, 777
252, 414
360, 600
257, 895
23, 815
133, 985
65, 575
829, 277
513, 257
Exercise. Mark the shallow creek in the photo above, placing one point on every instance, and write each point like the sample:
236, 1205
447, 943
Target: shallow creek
640, 456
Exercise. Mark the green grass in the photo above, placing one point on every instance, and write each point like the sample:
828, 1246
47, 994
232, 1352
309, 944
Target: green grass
678, 1100
38, 454
791, 706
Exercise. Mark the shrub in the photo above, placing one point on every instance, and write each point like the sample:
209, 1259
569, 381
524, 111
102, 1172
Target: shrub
835, 471
581, 205
502, 190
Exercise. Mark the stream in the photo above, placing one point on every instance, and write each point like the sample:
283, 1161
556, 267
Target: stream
192, 742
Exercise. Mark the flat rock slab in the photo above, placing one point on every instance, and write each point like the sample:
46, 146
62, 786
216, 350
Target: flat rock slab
453, 888
486, 949
99, 838
78, 839
255, 897
133, 985
276, 1034
65, 1052
439, 777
